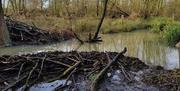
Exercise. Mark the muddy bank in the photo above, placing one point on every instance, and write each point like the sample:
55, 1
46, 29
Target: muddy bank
21, 33
166, 80
78, 71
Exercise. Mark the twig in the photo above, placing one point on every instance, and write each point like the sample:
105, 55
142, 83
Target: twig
72, 59
77, 37
59, 63
102, 73
91, 73
108, 58
71, 68
67, 71
30, 74
11, 68
20, 70
69, 76
126, 75
42, 64
15, 83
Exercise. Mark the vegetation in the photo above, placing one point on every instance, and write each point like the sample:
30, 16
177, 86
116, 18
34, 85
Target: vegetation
168, 28
158, 24
26, 22
84, 15
92, 8
172, 34
122, 25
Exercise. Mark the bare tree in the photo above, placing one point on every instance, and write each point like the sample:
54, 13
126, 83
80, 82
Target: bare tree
4, 34
96, 38
42, 4
97, 8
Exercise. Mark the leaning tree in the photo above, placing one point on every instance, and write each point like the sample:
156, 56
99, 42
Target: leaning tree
4, 33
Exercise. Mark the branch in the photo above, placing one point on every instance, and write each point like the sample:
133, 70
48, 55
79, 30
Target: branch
103, 72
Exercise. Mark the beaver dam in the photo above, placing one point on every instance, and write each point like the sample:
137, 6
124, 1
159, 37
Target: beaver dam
22, 33
83, 71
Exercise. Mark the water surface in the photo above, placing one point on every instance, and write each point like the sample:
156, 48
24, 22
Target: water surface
141, 44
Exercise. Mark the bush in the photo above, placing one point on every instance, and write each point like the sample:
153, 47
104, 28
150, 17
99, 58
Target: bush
157, 24
168, 28
172, 33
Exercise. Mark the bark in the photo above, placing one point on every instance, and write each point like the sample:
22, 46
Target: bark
97, 8
6, 10
4, 33
101, 21
4, 4
12, 4
42, 4
20, 4
23, 6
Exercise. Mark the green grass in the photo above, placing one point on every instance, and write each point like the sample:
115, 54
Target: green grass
168, 28
121, 25
86, 24
158, 23
171, 33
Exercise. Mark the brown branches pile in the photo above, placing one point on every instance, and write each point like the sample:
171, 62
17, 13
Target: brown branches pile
22, 33
26, 70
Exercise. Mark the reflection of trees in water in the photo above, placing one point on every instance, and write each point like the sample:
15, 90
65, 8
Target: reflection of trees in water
78, 47
154, 53
141, 45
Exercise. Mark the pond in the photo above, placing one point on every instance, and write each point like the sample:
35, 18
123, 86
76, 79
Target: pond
141, 44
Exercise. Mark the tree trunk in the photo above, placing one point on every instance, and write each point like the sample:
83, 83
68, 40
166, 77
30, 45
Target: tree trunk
101, 21
4, 4
97, 8
20, 4
4, 33
23, 6
42, 4
13, 7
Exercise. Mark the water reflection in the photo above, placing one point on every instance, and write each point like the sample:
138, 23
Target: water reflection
141, 44
179, 57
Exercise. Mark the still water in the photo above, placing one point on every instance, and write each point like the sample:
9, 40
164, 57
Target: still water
141, 44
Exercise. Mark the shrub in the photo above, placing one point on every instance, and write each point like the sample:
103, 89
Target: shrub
172, 33
157, 24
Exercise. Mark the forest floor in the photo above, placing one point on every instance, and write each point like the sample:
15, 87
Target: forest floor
84, 71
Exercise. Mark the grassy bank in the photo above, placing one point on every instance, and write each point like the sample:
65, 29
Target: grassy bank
86, 24
168, 28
